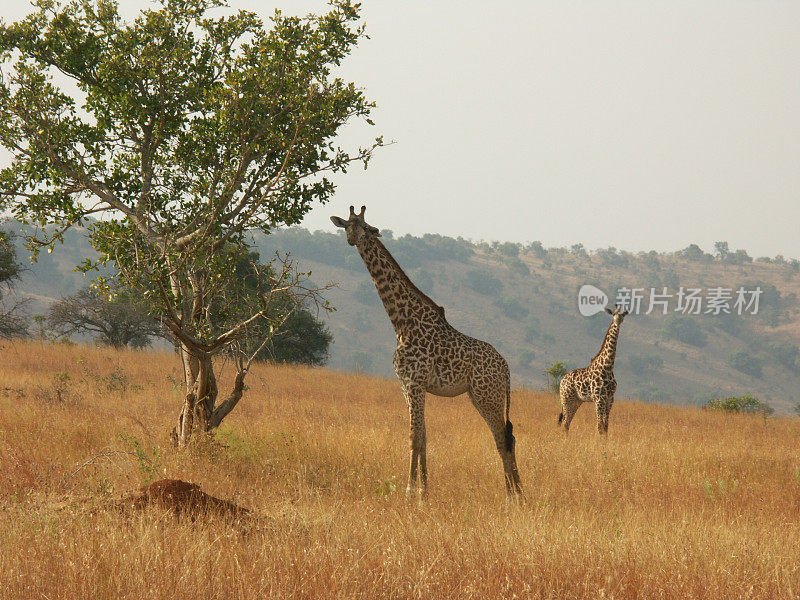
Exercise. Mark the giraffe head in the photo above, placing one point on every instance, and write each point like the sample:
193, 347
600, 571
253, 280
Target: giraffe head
618, 314
356, 227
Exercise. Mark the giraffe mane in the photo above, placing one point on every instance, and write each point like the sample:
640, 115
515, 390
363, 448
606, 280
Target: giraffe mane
405, 278
603, 345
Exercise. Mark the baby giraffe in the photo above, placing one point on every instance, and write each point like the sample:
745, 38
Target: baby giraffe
594, 383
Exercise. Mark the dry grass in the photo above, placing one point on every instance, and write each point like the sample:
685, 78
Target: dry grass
676, 503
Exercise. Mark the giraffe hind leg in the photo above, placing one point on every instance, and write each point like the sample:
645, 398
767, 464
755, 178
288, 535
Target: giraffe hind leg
492, 408
510, 448
570, 402
570, 407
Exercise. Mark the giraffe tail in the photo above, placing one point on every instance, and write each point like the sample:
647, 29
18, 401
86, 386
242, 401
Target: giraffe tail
560, 417
510, 441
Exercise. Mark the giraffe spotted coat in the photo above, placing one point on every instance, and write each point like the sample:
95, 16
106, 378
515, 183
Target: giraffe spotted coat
432, 356
594, 383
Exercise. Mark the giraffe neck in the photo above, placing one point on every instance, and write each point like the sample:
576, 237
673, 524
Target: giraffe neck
608, 351
404, 302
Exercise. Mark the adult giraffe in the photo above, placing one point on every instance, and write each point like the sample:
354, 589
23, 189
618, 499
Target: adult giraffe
432, 356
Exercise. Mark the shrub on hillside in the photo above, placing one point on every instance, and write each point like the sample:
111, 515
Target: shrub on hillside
693, 253
729, 323
532, 330
537, 249
740, 257
746, 363
612, 258
578, 250
684, 330
786, 354
513, 308
483, 282
506, 248
645, 365
411, 251
650, 259
517, 267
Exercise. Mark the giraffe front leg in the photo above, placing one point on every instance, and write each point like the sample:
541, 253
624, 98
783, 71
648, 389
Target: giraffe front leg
415, 398
603, 407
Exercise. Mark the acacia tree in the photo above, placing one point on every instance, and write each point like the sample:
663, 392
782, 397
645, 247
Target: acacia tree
190, 127
12, 322
114, 317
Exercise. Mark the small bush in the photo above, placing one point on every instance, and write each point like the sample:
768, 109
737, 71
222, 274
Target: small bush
554, 373
740, 404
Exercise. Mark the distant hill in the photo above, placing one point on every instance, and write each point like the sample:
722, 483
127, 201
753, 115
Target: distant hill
523, 300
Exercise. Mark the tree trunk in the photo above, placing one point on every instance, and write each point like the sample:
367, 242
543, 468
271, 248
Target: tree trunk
201, 397
200, 413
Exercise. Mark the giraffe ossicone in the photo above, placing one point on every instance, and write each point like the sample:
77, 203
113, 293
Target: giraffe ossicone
596, 382
433, 357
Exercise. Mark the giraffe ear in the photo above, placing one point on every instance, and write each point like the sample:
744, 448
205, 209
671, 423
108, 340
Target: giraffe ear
339, 222
609, 311
625, 312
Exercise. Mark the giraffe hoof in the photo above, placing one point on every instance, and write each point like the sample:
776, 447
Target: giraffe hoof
519, 498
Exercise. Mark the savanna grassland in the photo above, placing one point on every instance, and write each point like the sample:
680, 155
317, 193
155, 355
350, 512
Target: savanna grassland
675, 503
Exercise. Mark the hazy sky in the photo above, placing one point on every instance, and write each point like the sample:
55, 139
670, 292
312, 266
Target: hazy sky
641, 125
